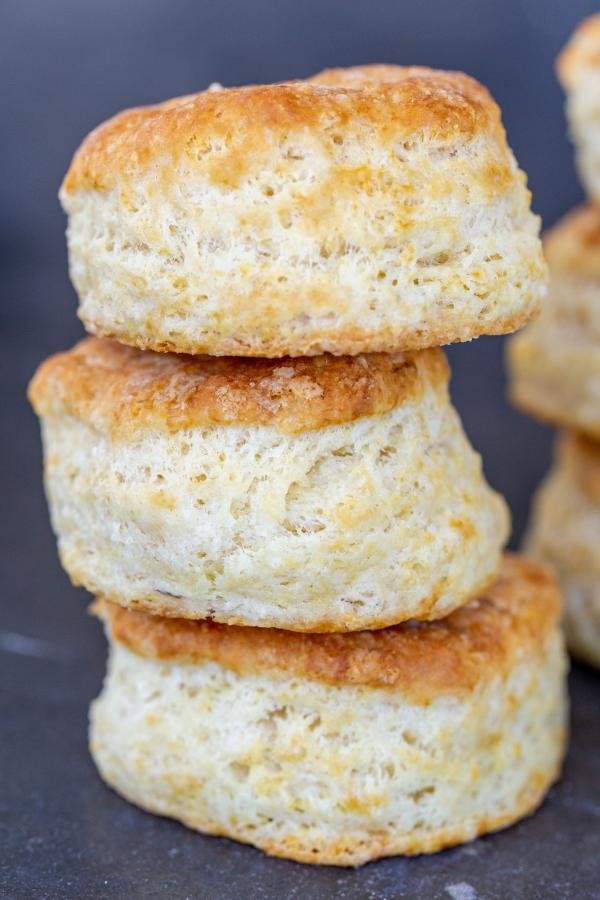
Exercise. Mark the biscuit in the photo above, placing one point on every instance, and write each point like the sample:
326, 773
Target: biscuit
317, 494
565, 532
340, 749
555, 361
578, 69
368, 209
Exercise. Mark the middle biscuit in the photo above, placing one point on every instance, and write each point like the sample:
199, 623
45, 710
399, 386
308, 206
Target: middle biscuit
321, 494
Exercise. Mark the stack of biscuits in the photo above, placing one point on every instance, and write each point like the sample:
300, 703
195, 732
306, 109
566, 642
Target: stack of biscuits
316, 645
555, 367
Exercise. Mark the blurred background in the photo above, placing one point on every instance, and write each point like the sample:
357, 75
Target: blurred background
65, 66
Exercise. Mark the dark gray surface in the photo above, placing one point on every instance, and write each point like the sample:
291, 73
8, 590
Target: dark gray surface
64, 66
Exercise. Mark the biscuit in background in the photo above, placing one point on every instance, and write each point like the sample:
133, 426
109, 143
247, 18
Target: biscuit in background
555, 362
578, 68
565, 532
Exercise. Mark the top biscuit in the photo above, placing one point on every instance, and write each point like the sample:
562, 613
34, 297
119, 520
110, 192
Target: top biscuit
368, 209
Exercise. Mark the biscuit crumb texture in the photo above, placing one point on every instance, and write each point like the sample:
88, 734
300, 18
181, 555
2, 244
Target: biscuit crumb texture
369, 209
338, 775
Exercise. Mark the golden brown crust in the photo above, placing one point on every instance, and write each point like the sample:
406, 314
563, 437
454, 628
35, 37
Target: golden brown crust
424, 660
393, 101
581, 52
122, 390
573, 244
582, 455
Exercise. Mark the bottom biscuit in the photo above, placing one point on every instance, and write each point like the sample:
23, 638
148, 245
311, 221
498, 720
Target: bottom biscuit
339, 749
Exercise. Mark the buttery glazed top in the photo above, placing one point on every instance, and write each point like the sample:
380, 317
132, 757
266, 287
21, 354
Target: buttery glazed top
573, 244
393, 102
581, 53
582, 456
422, 659
123, 391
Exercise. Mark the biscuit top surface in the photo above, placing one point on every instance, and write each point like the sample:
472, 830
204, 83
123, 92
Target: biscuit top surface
123, 391
581, 53
582, 456
229, 132
424, 660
